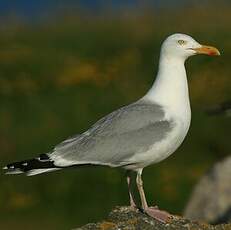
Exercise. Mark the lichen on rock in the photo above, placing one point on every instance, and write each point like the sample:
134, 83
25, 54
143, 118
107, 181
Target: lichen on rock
125, 218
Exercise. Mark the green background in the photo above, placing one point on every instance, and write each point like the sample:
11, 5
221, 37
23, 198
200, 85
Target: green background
59, 76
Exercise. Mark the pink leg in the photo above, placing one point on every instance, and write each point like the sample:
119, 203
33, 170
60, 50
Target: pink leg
154, 212
132, 202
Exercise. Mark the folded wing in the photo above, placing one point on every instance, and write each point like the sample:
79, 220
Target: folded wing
116, 138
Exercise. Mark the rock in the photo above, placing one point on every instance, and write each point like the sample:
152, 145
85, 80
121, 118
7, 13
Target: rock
211, 198
124, 218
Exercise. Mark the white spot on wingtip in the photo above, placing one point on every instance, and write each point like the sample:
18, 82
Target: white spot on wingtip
25, 164
4, 168
11, 167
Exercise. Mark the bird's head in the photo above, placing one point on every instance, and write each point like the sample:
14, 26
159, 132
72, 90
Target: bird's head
184, 46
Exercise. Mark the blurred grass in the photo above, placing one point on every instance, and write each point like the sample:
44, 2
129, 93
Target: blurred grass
58, 77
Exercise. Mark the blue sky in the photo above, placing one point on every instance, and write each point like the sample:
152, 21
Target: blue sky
36, 7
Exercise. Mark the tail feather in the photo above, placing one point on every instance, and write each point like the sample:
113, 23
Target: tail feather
32, 166
34, 172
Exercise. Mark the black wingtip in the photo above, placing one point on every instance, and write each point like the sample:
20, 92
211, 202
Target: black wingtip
41, 162
10, 169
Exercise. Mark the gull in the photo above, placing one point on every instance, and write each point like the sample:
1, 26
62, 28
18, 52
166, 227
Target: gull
137, 135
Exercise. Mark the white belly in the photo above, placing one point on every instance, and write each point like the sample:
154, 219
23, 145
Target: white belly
161, 150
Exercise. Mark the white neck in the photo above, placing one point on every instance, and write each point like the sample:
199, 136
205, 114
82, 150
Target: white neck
170, 88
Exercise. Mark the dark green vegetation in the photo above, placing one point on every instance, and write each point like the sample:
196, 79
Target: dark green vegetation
58, 77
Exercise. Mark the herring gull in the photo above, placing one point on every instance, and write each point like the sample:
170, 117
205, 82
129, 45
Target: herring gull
137, 135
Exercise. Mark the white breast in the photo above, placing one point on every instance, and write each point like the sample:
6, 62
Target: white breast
170, 90
161, 150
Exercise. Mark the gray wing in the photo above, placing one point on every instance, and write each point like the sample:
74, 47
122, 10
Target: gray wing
114, 139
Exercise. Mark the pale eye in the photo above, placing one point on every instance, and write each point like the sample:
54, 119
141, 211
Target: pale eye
182, 42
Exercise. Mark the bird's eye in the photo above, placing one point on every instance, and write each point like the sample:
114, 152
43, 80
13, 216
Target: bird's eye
181, 42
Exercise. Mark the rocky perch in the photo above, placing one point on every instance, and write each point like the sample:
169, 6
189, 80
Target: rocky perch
123, 218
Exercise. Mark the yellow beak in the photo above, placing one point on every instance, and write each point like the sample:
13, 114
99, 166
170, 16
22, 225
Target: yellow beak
209, 50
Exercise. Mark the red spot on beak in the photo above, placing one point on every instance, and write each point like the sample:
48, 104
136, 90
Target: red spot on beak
209, 50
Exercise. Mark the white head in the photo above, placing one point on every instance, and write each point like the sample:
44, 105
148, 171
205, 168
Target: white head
183, 46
